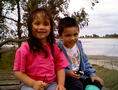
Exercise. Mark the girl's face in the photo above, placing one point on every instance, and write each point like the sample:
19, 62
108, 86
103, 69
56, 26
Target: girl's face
41, 27
70, 36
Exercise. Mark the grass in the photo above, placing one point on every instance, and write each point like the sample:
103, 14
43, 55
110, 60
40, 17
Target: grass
110, 77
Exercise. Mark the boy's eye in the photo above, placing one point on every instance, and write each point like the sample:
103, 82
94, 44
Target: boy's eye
76, 34
67, 35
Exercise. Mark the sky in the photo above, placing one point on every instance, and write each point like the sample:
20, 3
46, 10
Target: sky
103, 18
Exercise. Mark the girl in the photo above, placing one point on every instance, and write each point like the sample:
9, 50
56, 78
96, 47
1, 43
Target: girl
39, 64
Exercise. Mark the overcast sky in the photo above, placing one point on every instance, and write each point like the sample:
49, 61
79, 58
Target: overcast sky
103, 19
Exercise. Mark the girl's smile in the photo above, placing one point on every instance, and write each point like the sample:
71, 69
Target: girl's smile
40, 31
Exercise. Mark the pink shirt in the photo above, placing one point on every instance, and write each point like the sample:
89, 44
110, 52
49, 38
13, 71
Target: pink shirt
36, 66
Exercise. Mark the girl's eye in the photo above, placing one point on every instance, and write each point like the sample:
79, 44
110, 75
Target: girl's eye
46, 23
37, 23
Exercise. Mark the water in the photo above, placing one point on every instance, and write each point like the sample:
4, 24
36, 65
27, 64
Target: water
107, 47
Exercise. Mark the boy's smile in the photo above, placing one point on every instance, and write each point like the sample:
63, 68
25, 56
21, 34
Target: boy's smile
70, 36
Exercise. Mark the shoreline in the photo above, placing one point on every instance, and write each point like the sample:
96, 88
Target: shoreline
102, 57
109, 62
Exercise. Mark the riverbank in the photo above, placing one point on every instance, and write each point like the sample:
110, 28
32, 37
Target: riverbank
102, 57
110, 62
106, 68
110, 77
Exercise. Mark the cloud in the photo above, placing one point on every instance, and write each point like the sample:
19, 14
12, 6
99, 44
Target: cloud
103, 18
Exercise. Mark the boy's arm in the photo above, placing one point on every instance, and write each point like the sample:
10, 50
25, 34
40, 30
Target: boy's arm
89, 70
88, 66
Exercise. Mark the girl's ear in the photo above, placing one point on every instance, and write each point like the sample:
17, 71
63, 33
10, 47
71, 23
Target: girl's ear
60, 37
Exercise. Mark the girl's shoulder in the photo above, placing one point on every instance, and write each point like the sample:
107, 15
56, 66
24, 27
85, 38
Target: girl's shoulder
55, 45
56, 48
24, 47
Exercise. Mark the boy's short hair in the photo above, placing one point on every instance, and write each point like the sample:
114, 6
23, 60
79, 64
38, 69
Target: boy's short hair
65, 23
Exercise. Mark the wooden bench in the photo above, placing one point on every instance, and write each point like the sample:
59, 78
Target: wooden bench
8, 81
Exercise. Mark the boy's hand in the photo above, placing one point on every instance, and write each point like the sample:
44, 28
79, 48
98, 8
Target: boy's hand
72, 74
98, 79
39, 85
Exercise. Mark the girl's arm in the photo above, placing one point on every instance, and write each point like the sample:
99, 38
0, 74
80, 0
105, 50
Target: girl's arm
24, 78
60, 79
29, 81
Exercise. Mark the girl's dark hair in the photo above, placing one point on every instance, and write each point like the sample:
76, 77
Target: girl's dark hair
34, 44
65, 23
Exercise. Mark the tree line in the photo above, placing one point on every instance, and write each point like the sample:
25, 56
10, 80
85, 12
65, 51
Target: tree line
97, 36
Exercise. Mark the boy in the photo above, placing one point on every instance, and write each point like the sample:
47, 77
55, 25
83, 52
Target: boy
79, 73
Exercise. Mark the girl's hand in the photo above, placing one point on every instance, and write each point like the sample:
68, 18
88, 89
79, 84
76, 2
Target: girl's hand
39, 85
60, 87
98, 79
72, 74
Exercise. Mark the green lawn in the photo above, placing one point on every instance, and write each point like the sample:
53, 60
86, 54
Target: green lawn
110, 77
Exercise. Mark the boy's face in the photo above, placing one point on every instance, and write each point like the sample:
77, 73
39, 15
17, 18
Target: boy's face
70, 36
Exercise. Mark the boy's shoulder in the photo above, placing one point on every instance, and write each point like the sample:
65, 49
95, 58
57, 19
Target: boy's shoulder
79, 41
58, 41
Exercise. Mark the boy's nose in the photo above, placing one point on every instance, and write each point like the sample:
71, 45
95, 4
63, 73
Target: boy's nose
72, 38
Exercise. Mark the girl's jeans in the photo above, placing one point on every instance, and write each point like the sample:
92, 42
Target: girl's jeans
51, 86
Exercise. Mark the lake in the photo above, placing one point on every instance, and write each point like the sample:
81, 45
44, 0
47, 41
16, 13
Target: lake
100, 46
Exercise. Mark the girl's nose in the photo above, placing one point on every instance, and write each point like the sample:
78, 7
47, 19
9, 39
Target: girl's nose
41, 27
